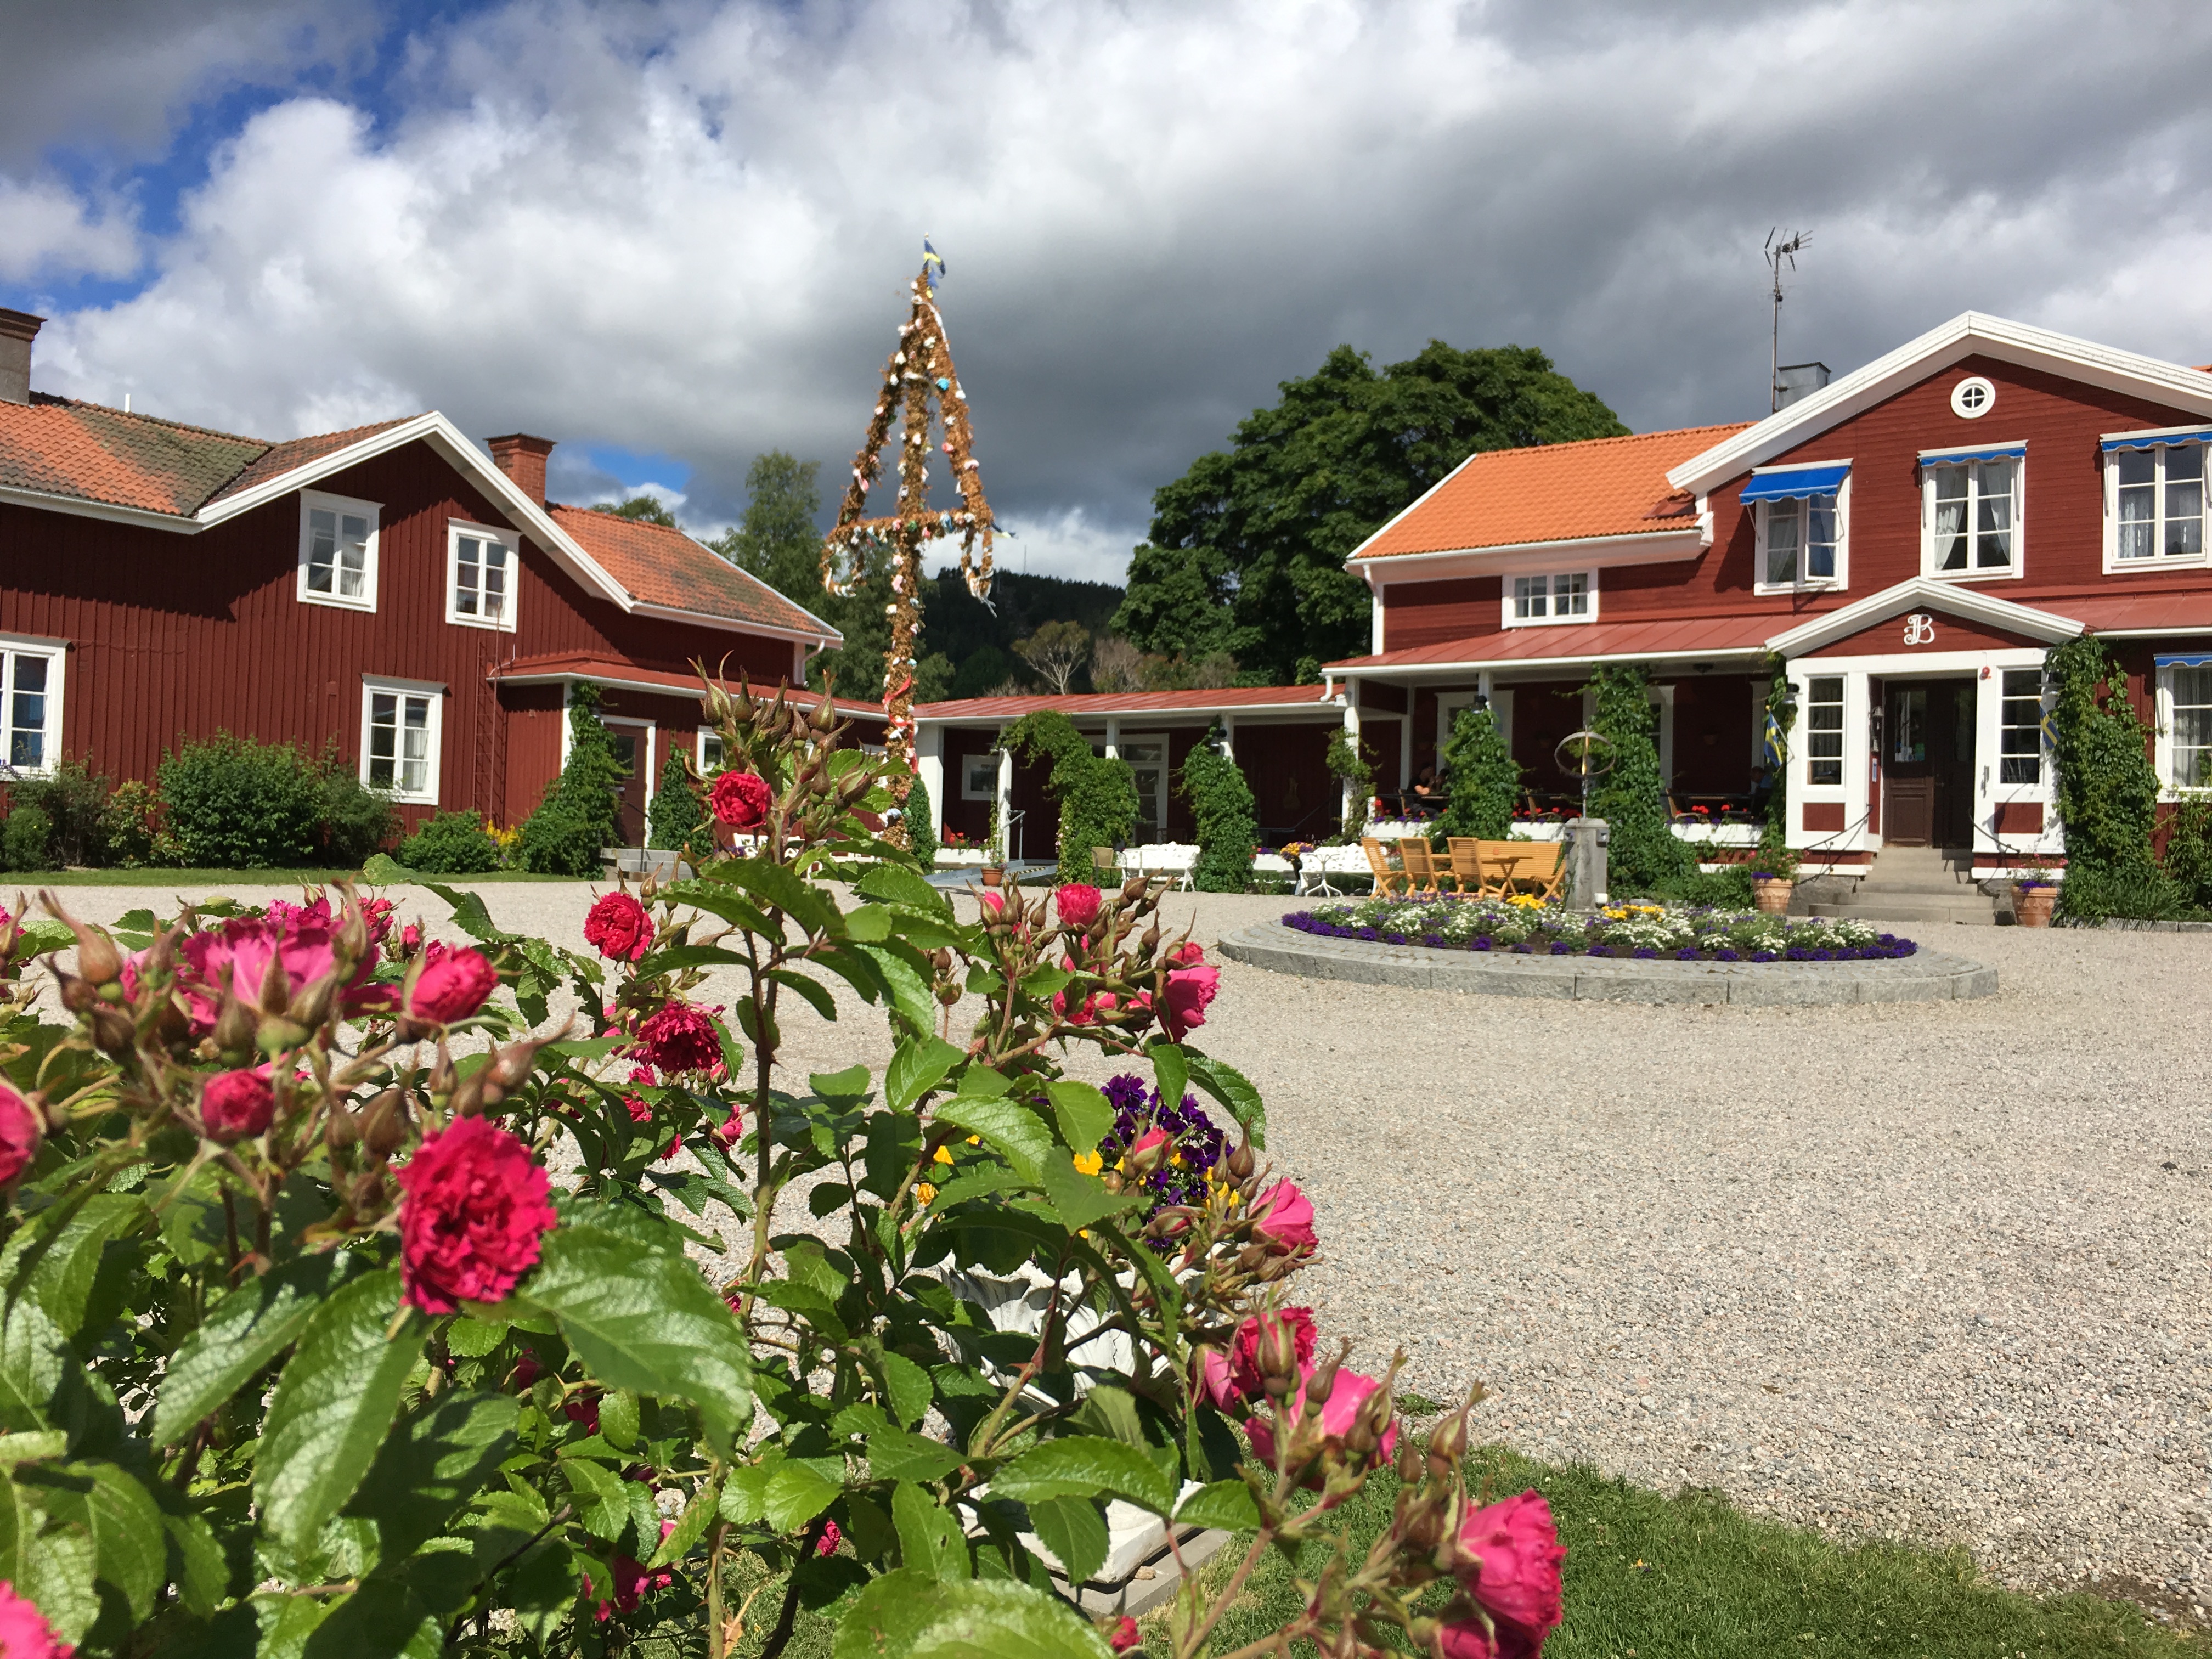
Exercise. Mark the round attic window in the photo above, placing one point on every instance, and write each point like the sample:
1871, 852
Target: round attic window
1973, 397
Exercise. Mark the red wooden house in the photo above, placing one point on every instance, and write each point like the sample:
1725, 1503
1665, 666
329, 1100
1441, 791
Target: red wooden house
391, 589
1909, 541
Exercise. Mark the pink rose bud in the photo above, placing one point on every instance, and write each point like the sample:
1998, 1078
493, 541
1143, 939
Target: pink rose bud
830, 1538
1077, 904
1126, 1635
1283, 1219
21, 1129
739, 800
619, 928
1151, 1148
1338, 1415
452, 985
236, 1105
1515, 1576
992, 901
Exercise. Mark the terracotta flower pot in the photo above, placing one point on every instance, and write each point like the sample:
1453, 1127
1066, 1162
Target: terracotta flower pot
2031, 906
994, 876
1772, 894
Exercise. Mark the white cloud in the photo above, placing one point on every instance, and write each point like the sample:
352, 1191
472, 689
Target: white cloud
46, 228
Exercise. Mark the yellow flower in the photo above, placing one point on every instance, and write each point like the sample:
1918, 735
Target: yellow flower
925, 1192
944, 1155
1089, 1163
974, 1141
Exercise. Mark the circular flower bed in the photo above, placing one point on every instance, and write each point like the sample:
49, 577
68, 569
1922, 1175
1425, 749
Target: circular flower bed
1635, 931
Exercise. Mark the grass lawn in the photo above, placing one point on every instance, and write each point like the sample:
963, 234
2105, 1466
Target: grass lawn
152, 877
1655, 1577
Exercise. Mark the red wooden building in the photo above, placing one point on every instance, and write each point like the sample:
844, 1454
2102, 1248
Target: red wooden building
1909, 540
391, 589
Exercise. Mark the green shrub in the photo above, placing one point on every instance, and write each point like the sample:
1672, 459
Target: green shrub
1096, 796
130, 826
1644, 856
1228, 819
1728, 889
1353, 763
1483, 778
26, 840
358, 820
450, 844
676, 817
72, 797
2139, 892
1781, 716
2188, 860
2107, 790
580, 812
920, 838
236, 804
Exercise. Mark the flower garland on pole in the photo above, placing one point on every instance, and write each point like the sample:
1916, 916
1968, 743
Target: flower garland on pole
919, 371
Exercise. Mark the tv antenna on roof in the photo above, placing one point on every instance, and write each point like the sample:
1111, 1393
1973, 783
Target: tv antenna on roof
1776, 252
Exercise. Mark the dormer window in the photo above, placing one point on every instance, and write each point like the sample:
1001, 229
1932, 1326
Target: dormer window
337, 551
2155, 500
1562, 597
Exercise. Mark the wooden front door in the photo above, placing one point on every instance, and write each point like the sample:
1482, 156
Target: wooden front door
629, 750
1928, 771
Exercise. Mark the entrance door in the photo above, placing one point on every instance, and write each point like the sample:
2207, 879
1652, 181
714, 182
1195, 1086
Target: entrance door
1928, 775
1148, 758
628, 740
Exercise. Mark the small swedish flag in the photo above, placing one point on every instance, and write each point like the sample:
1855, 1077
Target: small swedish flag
933, 263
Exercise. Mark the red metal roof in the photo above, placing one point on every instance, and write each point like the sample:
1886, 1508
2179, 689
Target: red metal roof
2136, 613
665, 566
1583, 642
613, 671
1550, 493
1079, 705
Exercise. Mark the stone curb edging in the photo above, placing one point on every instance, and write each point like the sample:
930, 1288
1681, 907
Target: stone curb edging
1926, 976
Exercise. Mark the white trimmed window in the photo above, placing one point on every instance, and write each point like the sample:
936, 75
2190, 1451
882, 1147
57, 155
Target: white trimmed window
710, 751
337, 551
979, 778
480, 571
1971, 509
2019, 727
1800, 543
30, 704
1824, 729
2157, 504
401, 729
1565, 597
2188, 742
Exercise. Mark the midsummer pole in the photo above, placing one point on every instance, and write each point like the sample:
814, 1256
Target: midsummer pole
918, 374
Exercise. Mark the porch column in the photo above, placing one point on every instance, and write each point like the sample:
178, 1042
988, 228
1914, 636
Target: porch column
1229, 735
929, 764
1113, 738
1405, 739
1352, 733
1003, 802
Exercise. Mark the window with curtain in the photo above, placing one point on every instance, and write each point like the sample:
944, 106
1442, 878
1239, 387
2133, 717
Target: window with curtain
1800, 541
399, 742
1973, 515
337, 551
1824, 729
28, 706
480, 588
2160, 502
2189, 696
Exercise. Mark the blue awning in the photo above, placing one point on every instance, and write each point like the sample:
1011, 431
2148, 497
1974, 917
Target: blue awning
1954, 457
2184, 659
2152, 440
1792, 484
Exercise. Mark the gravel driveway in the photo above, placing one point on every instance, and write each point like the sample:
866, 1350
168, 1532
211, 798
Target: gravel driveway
1936, 1270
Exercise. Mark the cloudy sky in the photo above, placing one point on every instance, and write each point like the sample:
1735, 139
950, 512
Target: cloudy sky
672, 236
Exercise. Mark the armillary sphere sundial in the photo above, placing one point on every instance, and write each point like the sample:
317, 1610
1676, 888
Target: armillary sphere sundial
1584, 755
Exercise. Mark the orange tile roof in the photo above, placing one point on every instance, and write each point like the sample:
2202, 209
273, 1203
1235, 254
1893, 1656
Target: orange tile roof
59, 447
665, 566
280, 459
1079, 705
1551, 492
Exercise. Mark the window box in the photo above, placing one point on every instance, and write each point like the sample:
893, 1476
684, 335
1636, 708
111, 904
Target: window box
401, 733
337, 551
481, 566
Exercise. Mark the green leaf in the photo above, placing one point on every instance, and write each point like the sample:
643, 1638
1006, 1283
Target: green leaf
1084, 1466
1074, 1531
895, 1455
618, 1420
1041, 982
909, 1387
1226, 1503
912, 1615
472, 1338
851, 1084
196, 1564
246, 1330
643, 1321
1233, 1090
870, 922
438, 1462
917, 1068
542, 1588
30, 1448
1170, 1071
906, 976
897, 885
334, 1404
61, 1265
772, 883
1013, 1130
677, 957
601, 1503
930, 1537
469, 913
33, 1358
48, 1565
796, 1493
130, 1550
1083, 1112
815, 994
382, 1620
382, 870
1078, 1199
689, 1526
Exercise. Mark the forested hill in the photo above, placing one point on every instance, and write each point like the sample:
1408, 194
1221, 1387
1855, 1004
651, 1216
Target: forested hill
979, 639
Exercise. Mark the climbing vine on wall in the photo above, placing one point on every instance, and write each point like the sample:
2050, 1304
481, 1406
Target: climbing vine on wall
1484, 777
1097, 795
1632, 797
1227, 817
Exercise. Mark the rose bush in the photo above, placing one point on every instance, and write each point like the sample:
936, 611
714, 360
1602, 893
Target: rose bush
353, 1304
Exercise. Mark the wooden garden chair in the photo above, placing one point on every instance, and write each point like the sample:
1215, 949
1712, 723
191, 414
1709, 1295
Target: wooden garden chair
1104, 861
1544, 871
1476, 874
1421, 864
1378, 861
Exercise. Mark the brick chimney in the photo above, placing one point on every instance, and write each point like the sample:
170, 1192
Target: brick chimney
17, 330
522, 457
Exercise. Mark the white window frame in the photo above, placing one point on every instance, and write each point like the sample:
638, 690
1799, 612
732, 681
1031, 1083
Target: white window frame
2199, 437
310, 502
1573, 619
1157, 817
707, 734
2044, 695
1930, 462
1804, 584
373, 685
2162, 743
455, 530
1831, 788
970, 766
55, 654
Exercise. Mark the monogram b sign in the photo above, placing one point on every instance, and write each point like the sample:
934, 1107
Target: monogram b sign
1920, 628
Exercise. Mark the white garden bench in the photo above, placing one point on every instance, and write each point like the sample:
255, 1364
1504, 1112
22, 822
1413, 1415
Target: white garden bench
1172, 859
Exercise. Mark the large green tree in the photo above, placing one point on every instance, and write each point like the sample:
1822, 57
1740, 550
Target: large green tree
1246, 548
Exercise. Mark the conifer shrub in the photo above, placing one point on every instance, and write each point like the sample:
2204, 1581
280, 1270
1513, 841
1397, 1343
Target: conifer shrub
920, 838
580, 811
1227, 817
1644, 856
676, 819
2107, 790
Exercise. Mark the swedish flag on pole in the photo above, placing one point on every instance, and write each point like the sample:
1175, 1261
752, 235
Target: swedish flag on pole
931, 263
1773, 739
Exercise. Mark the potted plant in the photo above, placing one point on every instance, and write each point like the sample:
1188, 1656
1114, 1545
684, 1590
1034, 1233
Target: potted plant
2033, 894
1773, 879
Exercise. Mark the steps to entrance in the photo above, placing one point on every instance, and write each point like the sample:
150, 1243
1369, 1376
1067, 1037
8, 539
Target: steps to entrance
1916, 884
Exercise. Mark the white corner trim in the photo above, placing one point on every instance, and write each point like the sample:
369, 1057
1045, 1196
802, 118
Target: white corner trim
1964, 602
1967, 335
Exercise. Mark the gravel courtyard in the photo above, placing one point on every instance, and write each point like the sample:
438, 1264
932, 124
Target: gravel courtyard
1936, 1270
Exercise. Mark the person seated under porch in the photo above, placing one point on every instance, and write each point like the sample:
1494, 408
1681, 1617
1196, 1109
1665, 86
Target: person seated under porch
1428, 789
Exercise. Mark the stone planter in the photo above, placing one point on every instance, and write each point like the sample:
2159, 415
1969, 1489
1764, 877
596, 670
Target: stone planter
1772, 894
2031, 906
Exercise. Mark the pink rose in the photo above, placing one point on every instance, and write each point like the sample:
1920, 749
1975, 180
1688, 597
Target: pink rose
24, 1631
992, 901
1282, 1219
237, 955
830, 1538
474, 1212
619, 928
410, 938
1077, 904
1126, 1635
1236, 1375
680, 1037
638, 1110
1337, 1413
1189, 992
730, 1130
378, 913
739, 800
1516, 1580
237, 1105
1189, 954
452, 985
21, 1129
